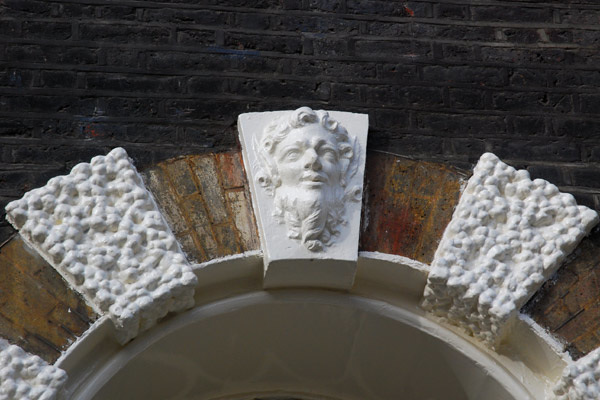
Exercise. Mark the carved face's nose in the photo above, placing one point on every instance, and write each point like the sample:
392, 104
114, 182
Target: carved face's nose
311, 160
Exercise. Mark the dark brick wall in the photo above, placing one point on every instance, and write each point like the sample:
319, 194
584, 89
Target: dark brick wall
440, 80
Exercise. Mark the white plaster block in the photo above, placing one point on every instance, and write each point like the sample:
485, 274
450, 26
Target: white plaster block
25, 376
100, 228
508, 234
306, 172
580, 379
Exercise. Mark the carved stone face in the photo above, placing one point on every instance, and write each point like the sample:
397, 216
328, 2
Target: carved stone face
308, 159
305, 162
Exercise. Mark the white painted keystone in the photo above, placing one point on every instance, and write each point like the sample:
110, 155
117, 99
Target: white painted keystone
508, 235
306, 172
101, 230
25, 376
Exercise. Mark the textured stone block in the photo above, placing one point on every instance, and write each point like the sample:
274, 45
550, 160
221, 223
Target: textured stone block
100, 228
580, 379
507, 236
25, 376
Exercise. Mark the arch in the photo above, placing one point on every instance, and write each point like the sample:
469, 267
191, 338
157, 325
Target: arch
388, 286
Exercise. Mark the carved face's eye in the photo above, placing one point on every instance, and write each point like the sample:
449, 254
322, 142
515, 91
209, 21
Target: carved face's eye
328, 153
291, 155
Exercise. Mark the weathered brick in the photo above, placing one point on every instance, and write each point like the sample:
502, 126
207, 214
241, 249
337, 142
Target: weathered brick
158, 183
516, 35
528, 77
378, 7
124, 33
231, 168
249, 42
467, 98
243, 218
16, 77
532, 101
38, 303
227, 240
463, 124
451, 11
313, 24
194, 37
484, 76
590, 103
392, 49
208, 178
193, 252
25, 8
47, 30
511, 14
198, 219
579, 17
116, 12
407, 206
58, 79
181, 177
186, 16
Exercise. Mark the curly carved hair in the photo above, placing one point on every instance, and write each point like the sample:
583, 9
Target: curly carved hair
279, 129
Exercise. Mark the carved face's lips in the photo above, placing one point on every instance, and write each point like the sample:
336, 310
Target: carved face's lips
313, 180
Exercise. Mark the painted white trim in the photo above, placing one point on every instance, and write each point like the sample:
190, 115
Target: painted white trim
386, 285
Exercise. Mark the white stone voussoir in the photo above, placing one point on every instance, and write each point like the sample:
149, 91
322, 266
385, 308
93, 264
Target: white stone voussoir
25, 376
100, 228
580, 379
508, 235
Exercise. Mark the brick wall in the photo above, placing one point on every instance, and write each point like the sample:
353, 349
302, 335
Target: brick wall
440, 80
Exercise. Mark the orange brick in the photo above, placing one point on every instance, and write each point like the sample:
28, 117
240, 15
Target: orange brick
232, 170
407, 205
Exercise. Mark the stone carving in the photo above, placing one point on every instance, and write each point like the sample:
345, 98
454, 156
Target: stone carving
305, 161
580, 379
25, 376
508, 234
100, 228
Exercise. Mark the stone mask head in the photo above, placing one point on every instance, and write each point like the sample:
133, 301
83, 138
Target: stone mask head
306, 160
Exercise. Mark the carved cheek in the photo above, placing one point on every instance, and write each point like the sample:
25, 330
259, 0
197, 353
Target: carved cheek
290, 172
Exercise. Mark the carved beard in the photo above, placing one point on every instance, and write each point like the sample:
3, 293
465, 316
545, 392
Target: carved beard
312, 217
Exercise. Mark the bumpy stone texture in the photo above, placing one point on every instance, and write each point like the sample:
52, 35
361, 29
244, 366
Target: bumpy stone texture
508, 234
100, 228
24, 376
581, 379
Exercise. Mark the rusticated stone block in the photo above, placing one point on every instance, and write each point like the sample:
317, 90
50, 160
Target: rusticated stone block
507, 236
407, 205
101, 230
25, 376
38, 310
206, 201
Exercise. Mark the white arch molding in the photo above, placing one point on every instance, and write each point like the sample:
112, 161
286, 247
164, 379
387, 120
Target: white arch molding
309, 317
241, 342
